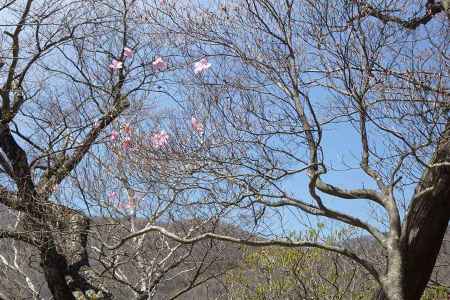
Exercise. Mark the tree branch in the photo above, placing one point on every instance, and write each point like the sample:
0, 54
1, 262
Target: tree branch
256, 243
411, 24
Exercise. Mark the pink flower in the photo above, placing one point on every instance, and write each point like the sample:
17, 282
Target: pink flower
126, 206
201, 66
114, 136
116, 64
127, 128
197, 125
112, 195
127, 52
126, 144
159, 139
159, 64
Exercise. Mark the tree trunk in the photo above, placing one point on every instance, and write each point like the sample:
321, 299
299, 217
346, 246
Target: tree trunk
426, 224
55, 266
65, 259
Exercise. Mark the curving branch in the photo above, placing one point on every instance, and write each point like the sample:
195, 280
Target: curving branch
55, 175
411, 24
249, 242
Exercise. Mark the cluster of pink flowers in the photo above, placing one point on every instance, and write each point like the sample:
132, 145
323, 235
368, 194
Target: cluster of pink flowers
127, 141
126, 205
159, 64
112, 196
117, 64
114, 136
127, 52
127, 128
159, 139
201, 65
197, 125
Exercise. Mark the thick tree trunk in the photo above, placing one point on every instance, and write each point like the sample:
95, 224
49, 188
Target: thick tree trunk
426, 224
64, 257
55, 267
63, 280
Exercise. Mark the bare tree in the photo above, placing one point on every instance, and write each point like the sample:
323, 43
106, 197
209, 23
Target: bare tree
264, 94
277, 88
68, 70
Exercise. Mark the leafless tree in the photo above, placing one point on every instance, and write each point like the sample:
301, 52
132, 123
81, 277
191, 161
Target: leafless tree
69, 70
291, 84
256, 98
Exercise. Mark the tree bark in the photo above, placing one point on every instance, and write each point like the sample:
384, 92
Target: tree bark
55, 267
426, 224
64, 256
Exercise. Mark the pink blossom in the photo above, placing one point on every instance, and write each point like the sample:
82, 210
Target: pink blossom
201, 66
114, 136
126, 144
159, 64
127, 52
197, 125
116, 64
127, 128
159, 139
54, 188
128, 205
112, 195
